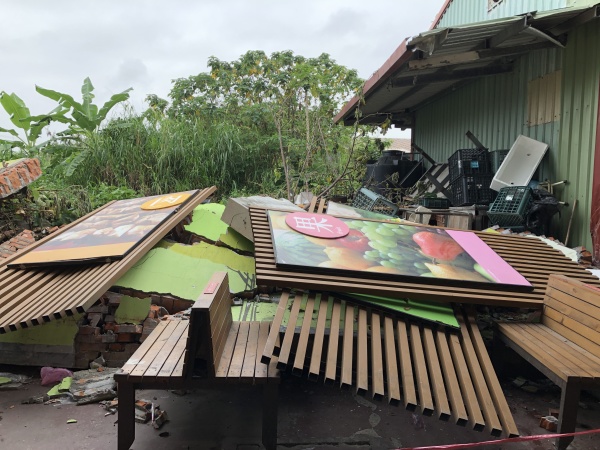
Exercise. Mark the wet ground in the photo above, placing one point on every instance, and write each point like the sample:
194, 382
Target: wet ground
311, 416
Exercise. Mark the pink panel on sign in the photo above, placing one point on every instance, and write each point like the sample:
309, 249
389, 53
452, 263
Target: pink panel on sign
488, 258
317, 225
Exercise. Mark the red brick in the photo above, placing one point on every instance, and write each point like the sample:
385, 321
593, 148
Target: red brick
116, 347
86, 329
127, 337
90, 347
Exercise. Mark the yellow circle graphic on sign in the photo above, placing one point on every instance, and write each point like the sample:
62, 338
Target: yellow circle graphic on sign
166, 201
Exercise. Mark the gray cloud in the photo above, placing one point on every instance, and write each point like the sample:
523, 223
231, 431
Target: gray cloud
147, 44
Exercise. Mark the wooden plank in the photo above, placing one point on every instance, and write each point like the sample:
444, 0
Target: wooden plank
442, 407
145, 346
148, 357
251, 351
362, 363
391, 362
269, 347
408, 381
178, 352
159, 363
334, 338
376, 357
348, 344
421, 372
593, 359
563, 355
459, 413
483, 394
321, 207
501, 405
466, 385
313, 204
302, 345
261, 368
239, 352
574, 307
288, 337
318, 340
223, 366
572, 330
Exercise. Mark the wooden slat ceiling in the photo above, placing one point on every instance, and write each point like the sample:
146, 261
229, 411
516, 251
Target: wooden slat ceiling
532, 258
420, 365
34, 296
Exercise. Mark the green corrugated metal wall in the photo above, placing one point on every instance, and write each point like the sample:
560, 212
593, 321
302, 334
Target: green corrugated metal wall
581, 73
461, 12
495, 110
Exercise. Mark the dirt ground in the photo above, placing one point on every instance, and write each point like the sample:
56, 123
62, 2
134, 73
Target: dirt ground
311, 416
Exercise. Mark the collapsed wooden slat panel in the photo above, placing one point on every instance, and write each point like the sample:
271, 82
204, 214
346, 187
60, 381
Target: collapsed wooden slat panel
78, 288
334, 337
376, 357
362, 363
269, 347
535, 259
348, 344
391, 361
304, 335
317, 351
286, 345
442, 407
421, 372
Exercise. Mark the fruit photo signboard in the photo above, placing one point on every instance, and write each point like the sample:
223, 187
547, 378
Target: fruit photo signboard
107, 235
433, 255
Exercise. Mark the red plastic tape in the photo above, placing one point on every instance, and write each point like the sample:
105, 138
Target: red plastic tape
502, 441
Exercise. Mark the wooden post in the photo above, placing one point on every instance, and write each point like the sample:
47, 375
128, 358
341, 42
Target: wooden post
269, 415
126, 430
569, 402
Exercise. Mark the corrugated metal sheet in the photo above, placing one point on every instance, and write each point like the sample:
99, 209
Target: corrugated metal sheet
575, 158
495, 110
34, 296
461, 12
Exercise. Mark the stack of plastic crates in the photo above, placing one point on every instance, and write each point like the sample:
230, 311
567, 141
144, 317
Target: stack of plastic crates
434, 202
470, 177
371, 201
511, 206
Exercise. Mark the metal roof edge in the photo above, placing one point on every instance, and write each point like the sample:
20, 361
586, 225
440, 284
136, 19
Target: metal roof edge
393, 63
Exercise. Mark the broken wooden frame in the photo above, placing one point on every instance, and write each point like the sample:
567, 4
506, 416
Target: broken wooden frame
421, 365
34, 296
531, 257
210, 349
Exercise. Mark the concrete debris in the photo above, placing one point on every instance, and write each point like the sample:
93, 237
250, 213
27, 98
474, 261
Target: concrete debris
550, 423
92, 386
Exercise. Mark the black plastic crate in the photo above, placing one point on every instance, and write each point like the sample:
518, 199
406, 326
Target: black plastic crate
472, 190
469, 161
497, 156
511, 206
434, 202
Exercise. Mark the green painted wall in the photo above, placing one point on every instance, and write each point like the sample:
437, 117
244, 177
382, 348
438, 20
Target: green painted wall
495, 110
55, 332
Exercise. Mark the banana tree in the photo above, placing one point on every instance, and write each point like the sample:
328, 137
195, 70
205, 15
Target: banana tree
85, 116
30, 127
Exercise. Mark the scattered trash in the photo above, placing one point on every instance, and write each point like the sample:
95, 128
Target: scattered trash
550, 423
11, 381
51, 376
418, 422
164, 434
72, 421
98, 363
146, 411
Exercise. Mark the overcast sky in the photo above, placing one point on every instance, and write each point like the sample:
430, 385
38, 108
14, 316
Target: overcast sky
146, 44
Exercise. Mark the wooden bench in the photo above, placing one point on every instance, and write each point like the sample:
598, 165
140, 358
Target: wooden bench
208, 349
565, 346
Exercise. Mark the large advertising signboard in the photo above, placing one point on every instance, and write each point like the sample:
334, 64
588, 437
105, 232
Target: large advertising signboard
429, 254
108, 235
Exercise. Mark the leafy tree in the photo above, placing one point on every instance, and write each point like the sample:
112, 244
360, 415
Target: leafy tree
289, 99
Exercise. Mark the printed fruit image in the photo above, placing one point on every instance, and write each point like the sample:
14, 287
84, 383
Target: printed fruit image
355, 240
454, 273
478, 268
348, 258
437, 246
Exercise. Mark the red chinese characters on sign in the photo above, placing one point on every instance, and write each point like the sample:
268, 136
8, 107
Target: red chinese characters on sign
317, 225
